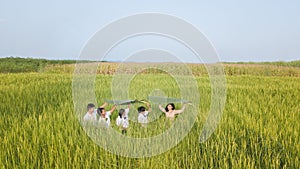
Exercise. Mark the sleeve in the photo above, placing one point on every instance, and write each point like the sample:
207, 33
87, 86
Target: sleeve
180, 111
108, 113
85, 118
162, 109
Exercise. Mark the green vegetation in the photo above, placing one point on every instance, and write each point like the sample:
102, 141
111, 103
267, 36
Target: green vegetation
259, 128
18, 65
295, 63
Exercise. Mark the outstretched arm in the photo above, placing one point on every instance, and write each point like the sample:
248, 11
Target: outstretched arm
103, 105
181, 110
161, 108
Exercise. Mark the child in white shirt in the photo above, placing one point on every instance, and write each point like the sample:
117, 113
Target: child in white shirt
122, 121
143, 115
90, 116
104, 119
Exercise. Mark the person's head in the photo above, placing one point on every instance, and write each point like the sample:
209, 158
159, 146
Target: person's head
101, 111
141, 109
90, 107
169, 107
121, 113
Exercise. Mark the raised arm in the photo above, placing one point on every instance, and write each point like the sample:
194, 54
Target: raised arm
127, 109
103, 105
161, 108
113, 108
149, 107
181, 110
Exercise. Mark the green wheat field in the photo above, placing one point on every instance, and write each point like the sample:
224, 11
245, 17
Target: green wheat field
259, 128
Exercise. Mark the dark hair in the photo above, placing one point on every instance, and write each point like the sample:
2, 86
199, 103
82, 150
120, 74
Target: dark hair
141, 109
90, 105
121, 111
172, 104
99, 110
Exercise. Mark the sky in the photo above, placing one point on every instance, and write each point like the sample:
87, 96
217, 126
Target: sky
239, 30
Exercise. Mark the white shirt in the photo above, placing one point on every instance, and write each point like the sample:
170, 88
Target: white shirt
124, 122
105, 122
90, 117
143, 118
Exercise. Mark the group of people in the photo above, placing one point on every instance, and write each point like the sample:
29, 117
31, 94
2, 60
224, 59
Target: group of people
122, 120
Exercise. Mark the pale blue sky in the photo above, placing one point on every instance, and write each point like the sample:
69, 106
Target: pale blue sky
239, 30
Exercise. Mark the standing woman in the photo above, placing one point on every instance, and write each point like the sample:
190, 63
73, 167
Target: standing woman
170, 110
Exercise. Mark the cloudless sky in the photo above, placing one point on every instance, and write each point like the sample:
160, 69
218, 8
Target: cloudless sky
239, 30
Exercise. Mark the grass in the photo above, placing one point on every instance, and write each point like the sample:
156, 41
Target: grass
259, 128
20, 65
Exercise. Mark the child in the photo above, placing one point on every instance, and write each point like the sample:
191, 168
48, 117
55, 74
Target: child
90, 116
143, 115
104, 119
170, 110
123, 120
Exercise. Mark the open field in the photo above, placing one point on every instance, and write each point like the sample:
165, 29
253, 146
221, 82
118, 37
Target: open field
259, 128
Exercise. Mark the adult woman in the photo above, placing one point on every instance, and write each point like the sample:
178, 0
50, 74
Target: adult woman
170, 110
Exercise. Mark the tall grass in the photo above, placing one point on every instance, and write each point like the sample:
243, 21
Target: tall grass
259, 128
197, 69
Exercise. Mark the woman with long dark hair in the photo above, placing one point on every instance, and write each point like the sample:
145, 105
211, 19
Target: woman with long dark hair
170, 110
